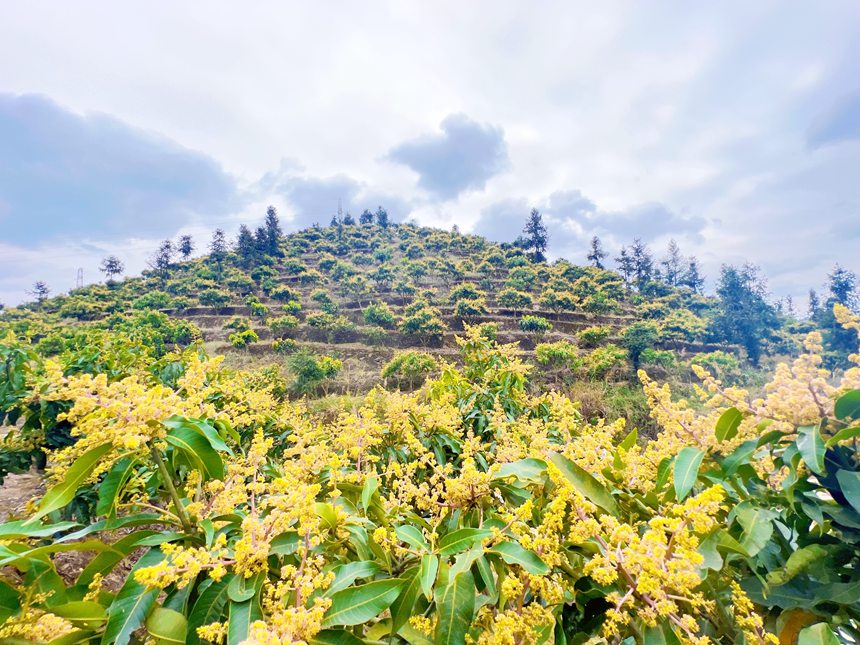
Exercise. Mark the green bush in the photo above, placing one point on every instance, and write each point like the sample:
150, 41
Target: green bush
465, 291
153, 300
469, 308
604, 361
561, 353
379, 314
285, 345
409, 368
237, 323
311, 372
537, 326
513, 299
283, 294
593, 336
637, 338
282, 324
242, 339
214, 298
661, 357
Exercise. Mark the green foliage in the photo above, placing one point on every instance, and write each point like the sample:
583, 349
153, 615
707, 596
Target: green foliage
241, 339
379, 314
409, 368
214, 298
604, 361
311, 372
594, 336
537, 326
723, 365
282, 324
637, 338
560, 354
514, 299
469, 308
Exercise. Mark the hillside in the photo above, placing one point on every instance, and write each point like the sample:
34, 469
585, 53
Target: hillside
364, 293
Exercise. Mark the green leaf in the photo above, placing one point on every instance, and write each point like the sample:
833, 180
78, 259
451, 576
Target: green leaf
455, 609
203, 428
811, 447
346, 574
23, 528
208, 609
111, 484
84, 613
64, 492
132, 604
585, 483
527, 470
242, 615
167, 626
104, 562
357, 605
241, 588
367, 493
849, 482
327, 514
686, 471
796, 564
843, 435
284, 544
462, 540
848, 405
817, 634
335, 637
728, 424
758, 528
429, 568
198, 450
413, 536
514, 553
740, 456
401, 608
630, 440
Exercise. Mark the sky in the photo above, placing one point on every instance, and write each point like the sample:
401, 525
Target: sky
732, 127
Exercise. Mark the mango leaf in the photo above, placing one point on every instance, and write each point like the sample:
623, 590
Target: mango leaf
201, 427
485, 570
740, 456
758, 528
335, 637
284, 544
83, 613
849, 482
843, 435
346, 574
327, 514
209, 608
818, 634
370, 487
64, 492
427, 574
811, 447
241, 588
455, 609
585, 483
848, 405
23, 528
104, 562
132, 604
72, 638
462, 540
796, 564
242, 615
527, 470
514, 553
686, 471
401, 608
728, 424
166, 626
357, 605
630, 440
198, 450
413, 536
111, 484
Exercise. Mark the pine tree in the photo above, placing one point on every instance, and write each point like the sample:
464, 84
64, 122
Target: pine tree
111, 266
334, 221
842, 286
693, 277
535, 236
246, 246
625, 265
643, 263
40, 291
742, 315
348, 220
366, 218
160, 261
218, 250
814, 304
596, 254
382, 217
273, 231
673, 265
186, 246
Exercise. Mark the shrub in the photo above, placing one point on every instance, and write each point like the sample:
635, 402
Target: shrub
258, 309
153, 300
285, 345
593, 336
537, 326
237, 323
242, 339
310, 372
311, 276
469, 308
663, 358
379, 314
561, 353
239, 282
683, 325
423, 321
294, 266
283, 294
557, 301
329, 322
599, 303
723, 365
488, 330
603, 361
637, 338
282, 324
465, 291
292, 308
409, 368
214, 298
513, 299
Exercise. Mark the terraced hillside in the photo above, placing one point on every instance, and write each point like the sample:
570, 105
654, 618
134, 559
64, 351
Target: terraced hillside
364, 294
